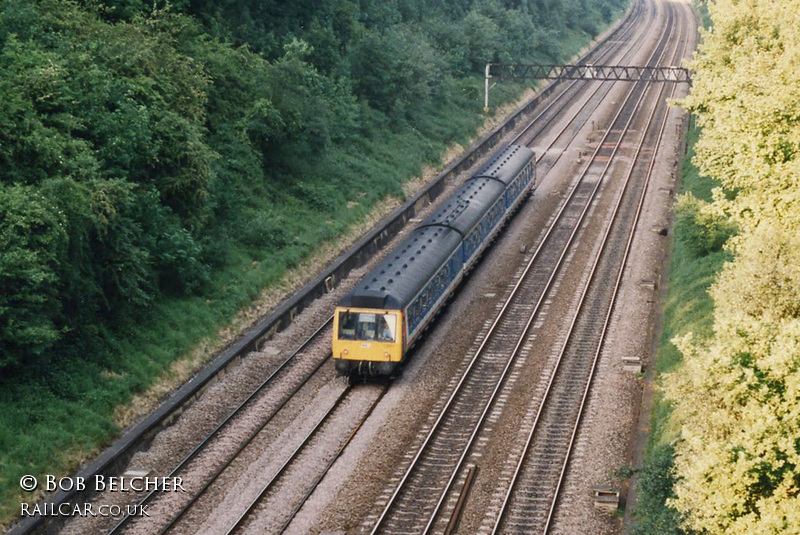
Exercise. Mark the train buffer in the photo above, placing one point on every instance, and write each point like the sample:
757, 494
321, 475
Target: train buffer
605, 498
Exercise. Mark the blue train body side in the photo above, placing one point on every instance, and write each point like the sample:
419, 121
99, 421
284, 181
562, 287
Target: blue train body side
422, 272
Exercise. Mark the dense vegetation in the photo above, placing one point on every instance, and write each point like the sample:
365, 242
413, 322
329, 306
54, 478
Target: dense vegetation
162, 162
736, 396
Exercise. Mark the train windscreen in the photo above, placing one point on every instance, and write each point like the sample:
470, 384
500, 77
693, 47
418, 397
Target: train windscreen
367, 326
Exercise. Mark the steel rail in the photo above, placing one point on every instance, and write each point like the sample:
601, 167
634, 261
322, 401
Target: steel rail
455, 472
603, 332
265, 488
330, 464
228, 419
492, 328
617, 283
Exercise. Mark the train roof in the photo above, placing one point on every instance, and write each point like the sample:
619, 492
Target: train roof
398, 278
466, 207
506, 164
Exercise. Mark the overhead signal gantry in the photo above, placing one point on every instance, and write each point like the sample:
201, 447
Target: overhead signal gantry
614, 73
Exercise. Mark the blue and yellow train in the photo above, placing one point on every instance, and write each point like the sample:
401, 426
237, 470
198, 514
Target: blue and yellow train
376, 324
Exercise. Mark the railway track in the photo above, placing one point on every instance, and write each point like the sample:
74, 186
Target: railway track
447, 445
260, 497
236, 431
295, 480
529, 505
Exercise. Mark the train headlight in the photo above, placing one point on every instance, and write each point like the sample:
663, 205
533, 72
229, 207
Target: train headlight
345, 352
387, 355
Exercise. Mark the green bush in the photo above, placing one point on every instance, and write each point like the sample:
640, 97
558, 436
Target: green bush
32, 241
700, 233
656, 480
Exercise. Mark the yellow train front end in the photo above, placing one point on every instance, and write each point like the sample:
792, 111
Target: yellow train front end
367, 342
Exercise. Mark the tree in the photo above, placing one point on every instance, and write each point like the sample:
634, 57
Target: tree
32, 241
394, 69
737, 398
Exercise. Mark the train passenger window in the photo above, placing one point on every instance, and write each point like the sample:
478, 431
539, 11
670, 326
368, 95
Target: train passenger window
367, 326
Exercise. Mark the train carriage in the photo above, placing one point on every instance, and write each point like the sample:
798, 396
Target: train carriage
380, 319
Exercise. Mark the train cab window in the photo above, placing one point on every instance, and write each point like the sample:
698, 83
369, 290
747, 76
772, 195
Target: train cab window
347, 325
367, 326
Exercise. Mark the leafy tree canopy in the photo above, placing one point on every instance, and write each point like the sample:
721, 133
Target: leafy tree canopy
737, 399
144, 142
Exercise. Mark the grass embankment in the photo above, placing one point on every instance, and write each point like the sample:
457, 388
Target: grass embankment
687, 307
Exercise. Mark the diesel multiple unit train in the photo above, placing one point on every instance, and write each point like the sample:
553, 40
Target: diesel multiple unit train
376, 324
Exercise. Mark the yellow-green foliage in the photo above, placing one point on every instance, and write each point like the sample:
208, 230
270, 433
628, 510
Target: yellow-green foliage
747, 97
737, 398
